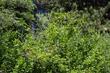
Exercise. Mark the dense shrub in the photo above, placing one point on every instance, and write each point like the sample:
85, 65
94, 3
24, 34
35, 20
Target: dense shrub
64, 47
13, 28
24, 5
68, 49
67, 5
69, 42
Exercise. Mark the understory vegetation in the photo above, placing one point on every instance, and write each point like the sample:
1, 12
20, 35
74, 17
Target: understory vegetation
64, 41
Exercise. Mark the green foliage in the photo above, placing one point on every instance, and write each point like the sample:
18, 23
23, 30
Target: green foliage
63, 47
69, 42
70, 49
24, 5
13, 29
10, 46
68, 5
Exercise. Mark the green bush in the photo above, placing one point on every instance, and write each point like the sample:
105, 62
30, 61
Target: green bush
64, 47
13, 29
75, 50
69, 43
24, 5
